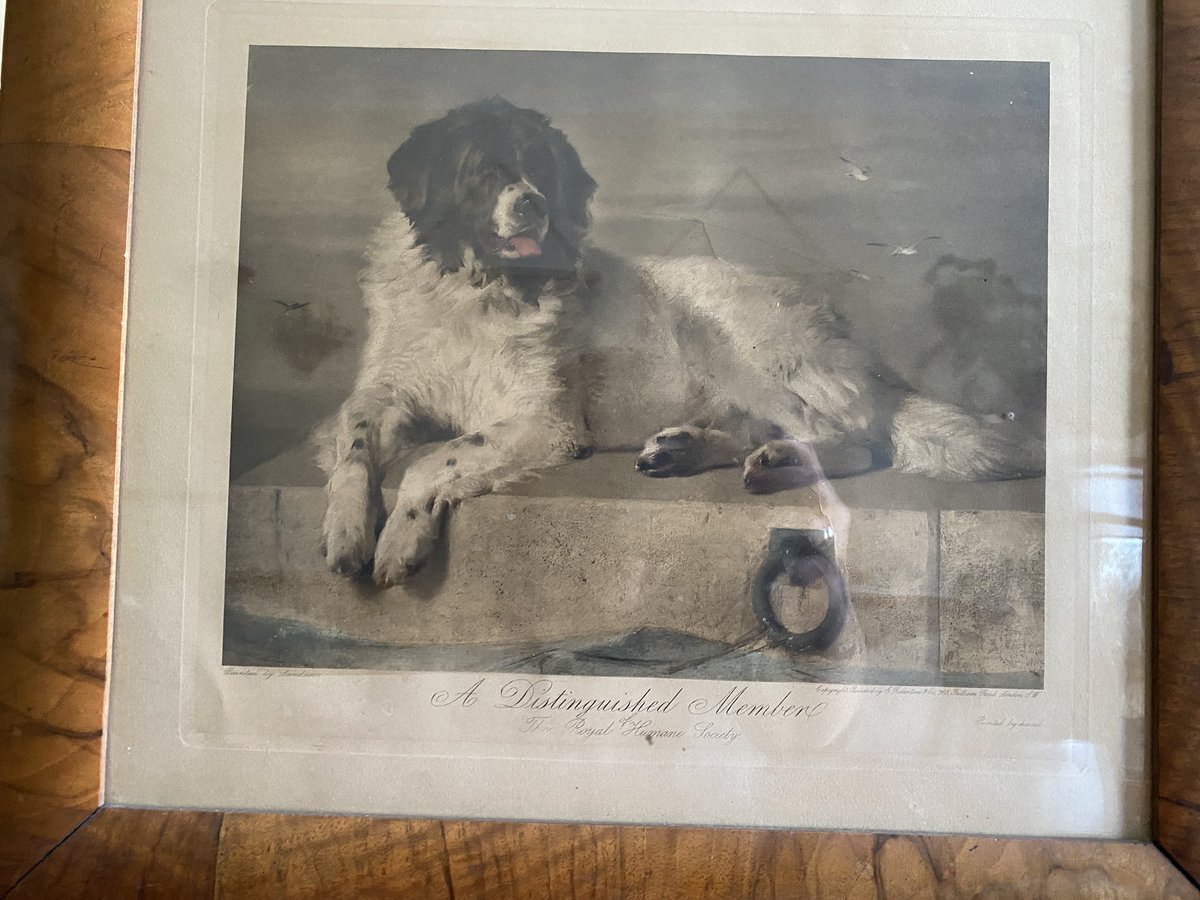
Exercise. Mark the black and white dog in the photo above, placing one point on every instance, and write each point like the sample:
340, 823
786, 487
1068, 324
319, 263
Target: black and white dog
489, 319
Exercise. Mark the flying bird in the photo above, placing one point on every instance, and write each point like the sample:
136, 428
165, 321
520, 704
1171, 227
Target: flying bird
909, 250
288, 307
861, 276
858, 173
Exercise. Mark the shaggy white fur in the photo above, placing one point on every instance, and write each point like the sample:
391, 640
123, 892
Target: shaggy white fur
695, 362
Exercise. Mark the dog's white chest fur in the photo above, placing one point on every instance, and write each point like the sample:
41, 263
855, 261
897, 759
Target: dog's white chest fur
609, 357
477, 364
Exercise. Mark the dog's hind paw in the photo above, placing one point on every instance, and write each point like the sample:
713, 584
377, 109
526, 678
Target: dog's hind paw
781, 464
675, 452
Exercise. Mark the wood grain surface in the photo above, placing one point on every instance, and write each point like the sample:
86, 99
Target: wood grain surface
131, 853
64, 142
1177, 459
65, 100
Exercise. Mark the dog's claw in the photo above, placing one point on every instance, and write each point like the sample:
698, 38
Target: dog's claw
393, 576
350, 558
349, 566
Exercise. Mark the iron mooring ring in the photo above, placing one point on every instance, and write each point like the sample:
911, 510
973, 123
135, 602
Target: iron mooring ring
806, 555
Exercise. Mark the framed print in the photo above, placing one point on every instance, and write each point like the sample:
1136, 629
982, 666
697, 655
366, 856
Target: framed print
639, 416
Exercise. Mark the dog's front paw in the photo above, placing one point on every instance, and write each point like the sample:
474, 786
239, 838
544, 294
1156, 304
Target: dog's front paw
673, 452
349, 538
779, 465
407, 540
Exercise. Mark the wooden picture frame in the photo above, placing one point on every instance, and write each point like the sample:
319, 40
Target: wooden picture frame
64, 145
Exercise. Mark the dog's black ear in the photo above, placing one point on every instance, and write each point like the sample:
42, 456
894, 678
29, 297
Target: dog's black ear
573, 191
411, 167
421, 176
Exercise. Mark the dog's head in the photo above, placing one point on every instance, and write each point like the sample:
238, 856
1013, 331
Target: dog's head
494, 186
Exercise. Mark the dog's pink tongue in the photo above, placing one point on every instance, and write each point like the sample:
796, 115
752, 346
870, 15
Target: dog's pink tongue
525, 246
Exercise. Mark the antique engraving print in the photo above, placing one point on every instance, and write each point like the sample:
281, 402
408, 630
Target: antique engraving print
638, 415
641, 364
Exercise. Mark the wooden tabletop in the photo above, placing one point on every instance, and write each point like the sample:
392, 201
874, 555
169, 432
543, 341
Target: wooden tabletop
64, 176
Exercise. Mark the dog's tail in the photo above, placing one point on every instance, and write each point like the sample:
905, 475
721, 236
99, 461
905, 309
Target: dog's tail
942, 441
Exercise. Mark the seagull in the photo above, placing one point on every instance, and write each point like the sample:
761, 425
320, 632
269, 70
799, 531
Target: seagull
856, 172
862, 276
288, 307
910, 250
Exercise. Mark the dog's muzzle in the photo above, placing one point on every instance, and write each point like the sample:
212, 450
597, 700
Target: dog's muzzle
520, 221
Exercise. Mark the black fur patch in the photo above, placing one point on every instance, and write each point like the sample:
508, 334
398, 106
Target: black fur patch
448, 174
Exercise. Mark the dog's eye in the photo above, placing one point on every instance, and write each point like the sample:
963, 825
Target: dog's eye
538, 170
499, 173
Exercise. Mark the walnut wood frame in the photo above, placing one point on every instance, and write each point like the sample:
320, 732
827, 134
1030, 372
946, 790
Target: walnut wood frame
64, 168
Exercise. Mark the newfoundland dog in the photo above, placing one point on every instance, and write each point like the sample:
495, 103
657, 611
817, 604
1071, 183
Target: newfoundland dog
491, 320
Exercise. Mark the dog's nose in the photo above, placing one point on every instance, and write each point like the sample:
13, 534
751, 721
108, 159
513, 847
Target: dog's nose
529, 208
